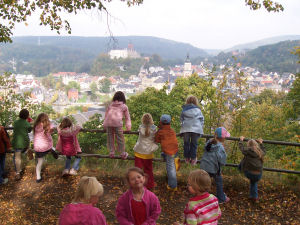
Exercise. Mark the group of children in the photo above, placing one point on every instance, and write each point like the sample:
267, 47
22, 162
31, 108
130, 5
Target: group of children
192, 122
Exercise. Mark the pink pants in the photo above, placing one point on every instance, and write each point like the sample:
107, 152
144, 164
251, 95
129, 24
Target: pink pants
112, 133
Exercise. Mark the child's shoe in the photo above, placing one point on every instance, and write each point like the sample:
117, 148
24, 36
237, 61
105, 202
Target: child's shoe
39, 180
226, 200
54, 154
187, 160
177, 163
111, 155
124, 155
18, 176
65, 172
29, 154
5, 180
73, 172
194, 162
171, 189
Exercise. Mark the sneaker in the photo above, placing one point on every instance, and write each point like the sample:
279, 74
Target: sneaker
253, 199
194, 162
73, 172
65, 172
5, 180
124, 155
18, 176
29, 154
177, 163
39, 180
111, 155
171, 189
54, 154
226, 200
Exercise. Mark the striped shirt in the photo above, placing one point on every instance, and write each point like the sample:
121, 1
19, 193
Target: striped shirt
202, 209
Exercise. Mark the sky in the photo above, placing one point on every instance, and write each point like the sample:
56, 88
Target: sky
206, 24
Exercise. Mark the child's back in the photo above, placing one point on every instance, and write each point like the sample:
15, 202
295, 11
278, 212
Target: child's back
20, 134
166, 136
67, 142
145, 143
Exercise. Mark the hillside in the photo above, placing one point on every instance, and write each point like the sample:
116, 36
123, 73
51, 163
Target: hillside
275, 57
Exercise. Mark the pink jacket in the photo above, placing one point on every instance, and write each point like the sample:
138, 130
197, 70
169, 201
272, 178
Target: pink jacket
69, 132
114, 115
124, 212
79, 213
42, 142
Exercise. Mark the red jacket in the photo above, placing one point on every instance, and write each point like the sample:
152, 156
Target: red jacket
166, 136
4, 140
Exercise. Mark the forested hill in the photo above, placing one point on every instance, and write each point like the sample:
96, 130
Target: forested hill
145, 45
275, 57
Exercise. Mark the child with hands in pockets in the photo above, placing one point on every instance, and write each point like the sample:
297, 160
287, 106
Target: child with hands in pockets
138, 205
202, 208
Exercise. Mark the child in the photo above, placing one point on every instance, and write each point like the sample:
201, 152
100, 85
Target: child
144, 148
68, 145
252, 163
192, 122
203, 208
4, 146
20, 140
166, 136
113, 123
213, 158
42, 142
137, 205
82, 210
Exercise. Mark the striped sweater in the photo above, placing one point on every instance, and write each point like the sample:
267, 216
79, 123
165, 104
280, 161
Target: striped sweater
202, 209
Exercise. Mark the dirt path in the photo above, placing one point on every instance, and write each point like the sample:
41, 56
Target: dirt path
26, 202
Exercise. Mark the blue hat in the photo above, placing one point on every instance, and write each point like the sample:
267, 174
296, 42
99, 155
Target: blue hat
165, 118
221, 132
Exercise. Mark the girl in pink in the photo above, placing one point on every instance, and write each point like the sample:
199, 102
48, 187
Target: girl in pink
82, 210
42, 141
203, 207
68, 145
138, 205
113, 123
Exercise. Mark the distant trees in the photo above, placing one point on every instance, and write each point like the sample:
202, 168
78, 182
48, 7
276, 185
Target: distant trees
104, 85
72, 84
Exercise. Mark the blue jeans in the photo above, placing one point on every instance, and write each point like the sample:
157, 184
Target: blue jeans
190, 145
254, 178
75, 164
2, 165
171, 170
219, 185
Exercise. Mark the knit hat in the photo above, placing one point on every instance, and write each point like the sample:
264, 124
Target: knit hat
221, 132
165, 118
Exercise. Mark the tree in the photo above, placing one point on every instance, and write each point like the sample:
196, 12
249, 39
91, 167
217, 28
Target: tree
72, 84
105, 85
13, 12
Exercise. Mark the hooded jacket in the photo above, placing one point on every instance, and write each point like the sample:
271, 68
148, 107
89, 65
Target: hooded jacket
67, 142
213, 158
80, 213
42, 142
124, 212
191, 119
114, 115
4, 141
145, 144
166, 136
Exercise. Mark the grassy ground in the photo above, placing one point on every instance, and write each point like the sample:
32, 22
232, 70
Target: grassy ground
26, 202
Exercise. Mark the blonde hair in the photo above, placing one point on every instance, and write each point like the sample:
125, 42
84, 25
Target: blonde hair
256, 148
88, 187
148, 122
200, 180
44, 119
191, 99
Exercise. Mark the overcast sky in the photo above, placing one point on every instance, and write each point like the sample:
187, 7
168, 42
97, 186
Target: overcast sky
208, 24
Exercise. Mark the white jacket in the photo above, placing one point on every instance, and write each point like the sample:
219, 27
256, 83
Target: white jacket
146, 145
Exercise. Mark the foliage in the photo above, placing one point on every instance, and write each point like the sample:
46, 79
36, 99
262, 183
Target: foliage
269, 5
51, 13
71, 85
104, 85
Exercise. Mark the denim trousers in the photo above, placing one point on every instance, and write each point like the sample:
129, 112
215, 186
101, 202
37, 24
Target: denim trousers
219, 186
190, 145
254, 178
2, 166
75, 164
171, 170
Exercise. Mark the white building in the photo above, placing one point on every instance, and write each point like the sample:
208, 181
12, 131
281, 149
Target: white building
124, 53
187, 68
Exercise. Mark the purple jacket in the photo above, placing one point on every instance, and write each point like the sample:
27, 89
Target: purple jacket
124, 212
114, 115
79, 213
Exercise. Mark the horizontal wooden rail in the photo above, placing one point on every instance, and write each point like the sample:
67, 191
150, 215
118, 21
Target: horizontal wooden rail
202, 136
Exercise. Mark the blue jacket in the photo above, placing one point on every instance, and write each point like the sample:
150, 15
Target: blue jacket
191, 119
213, 158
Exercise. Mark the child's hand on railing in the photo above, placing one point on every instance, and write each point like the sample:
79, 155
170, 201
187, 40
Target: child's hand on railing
242, 138
259, 140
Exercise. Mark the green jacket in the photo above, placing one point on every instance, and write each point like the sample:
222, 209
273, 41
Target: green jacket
20, 135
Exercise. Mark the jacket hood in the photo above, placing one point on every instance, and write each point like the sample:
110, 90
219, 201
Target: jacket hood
210, 147
188, 106
117, 103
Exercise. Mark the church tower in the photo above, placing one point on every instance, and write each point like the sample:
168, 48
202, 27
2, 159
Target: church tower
187, 68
